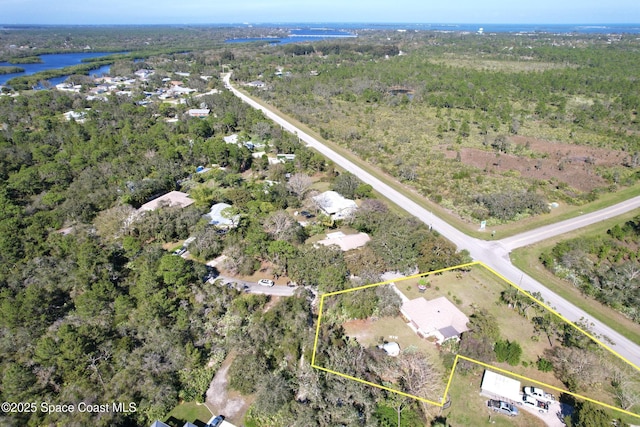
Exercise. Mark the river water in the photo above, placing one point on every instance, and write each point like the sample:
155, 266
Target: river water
53, 61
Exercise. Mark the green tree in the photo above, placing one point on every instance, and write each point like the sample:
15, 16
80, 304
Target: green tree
508, 351
346, 184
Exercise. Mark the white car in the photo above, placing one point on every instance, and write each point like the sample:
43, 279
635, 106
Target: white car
265, 282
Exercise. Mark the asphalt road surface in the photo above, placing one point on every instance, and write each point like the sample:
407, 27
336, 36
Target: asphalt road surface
543, 233
495, 254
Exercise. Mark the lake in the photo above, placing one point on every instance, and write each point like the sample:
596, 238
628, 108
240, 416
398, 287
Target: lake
53, 61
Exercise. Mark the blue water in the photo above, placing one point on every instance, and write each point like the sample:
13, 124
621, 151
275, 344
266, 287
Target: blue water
298, 35
322, 31
57, 60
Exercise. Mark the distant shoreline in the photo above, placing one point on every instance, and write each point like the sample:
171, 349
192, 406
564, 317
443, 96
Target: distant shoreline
583, 28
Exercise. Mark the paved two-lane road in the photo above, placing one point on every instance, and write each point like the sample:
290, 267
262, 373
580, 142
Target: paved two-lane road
548, 231
494, 253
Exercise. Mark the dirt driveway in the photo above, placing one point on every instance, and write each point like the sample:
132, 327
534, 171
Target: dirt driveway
222, 401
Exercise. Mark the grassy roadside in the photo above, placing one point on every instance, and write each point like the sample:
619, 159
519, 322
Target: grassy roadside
526, 259
471, 229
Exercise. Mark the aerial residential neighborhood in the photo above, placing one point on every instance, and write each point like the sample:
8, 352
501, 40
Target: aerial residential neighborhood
318, 224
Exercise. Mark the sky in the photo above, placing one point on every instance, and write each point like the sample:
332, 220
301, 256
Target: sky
93, 12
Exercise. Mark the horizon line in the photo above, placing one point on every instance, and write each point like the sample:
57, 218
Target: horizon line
247, 23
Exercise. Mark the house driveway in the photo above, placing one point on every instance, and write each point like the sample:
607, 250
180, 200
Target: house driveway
221, 401
553, 418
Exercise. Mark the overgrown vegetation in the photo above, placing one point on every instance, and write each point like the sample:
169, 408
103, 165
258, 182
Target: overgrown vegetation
603, 267
463, 135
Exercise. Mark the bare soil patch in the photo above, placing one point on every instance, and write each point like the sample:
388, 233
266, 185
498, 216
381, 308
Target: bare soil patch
222, 401
574, 165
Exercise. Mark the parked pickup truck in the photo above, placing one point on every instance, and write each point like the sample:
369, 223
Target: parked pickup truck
531, 401
502, 407
539, 393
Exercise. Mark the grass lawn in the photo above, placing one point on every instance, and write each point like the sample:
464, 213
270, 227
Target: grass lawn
479, 288
193, 412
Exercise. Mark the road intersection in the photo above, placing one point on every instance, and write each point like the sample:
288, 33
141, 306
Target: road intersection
495, 254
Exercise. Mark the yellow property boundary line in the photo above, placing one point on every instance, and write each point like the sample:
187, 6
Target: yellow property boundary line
458, 356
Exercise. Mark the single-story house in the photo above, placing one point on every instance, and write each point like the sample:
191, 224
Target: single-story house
218, 218
256, 83
282, 158
334, 205
496, 386
143, 74
78, 116
173, 198
346, 242
68, 87
231, 139
198, 112
179, 90
438, 318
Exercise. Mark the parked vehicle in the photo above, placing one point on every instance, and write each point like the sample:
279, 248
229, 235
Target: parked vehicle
539, 393
216, 421
531, 401
265, 282
502, 407
307, 214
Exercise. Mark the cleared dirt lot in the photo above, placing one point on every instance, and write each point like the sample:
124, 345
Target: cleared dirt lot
574, 165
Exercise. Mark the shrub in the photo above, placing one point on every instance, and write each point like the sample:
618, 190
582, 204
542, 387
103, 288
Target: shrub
506, 206
507, 351
544, 365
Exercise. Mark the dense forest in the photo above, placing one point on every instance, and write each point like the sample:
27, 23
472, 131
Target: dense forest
94, 309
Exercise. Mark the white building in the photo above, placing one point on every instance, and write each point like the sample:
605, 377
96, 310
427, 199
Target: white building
173, 198
218, 217
231, 139
334, 205
198, 112
496, 386
437, 318
78, 116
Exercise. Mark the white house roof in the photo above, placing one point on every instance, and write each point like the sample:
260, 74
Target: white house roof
216, 217
494, 384
332, 203
436, 315
173, 198
199, 112
346, 242
231, 139
76, 115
